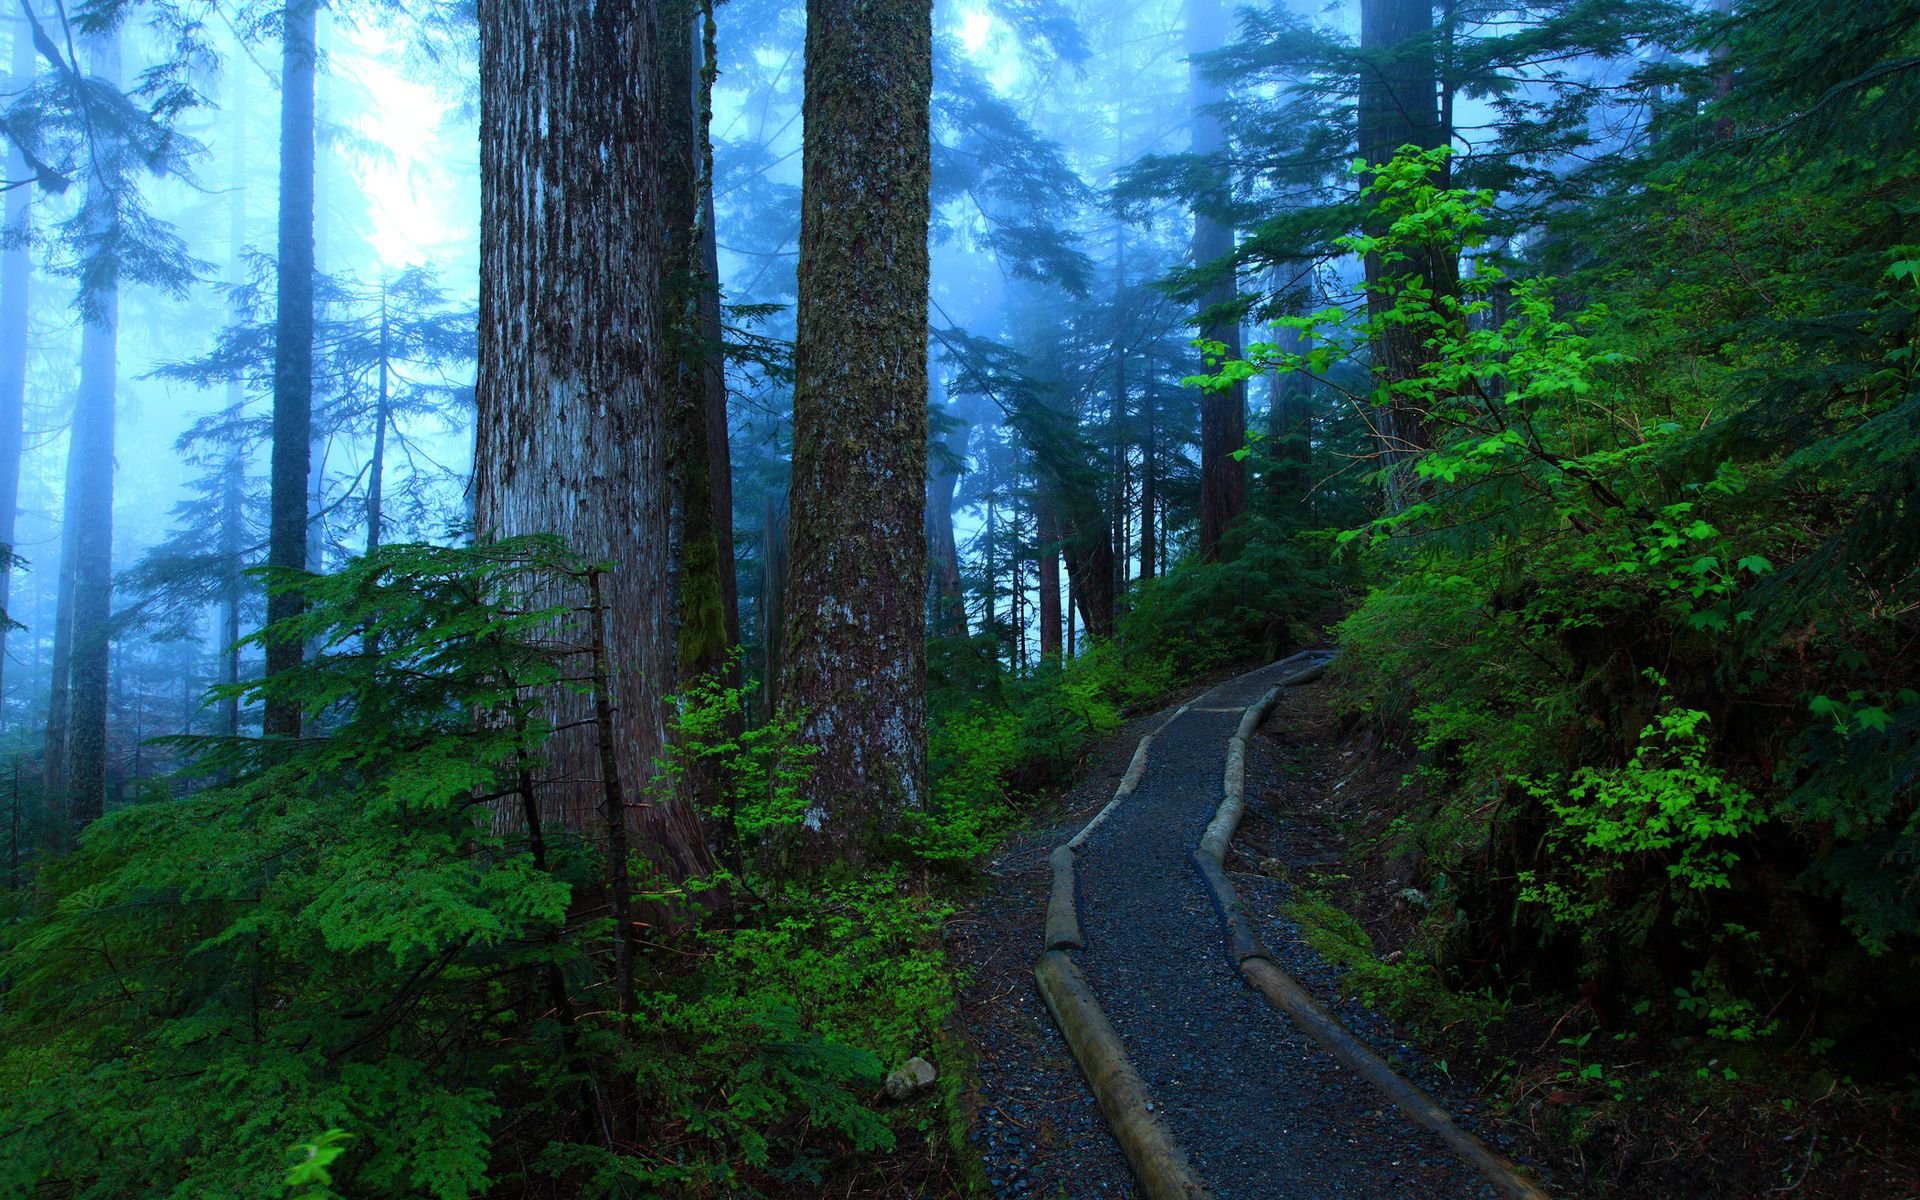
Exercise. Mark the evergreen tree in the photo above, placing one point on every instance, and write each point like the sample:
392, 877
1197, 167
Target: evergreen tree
572, 436
293, 337
854, 666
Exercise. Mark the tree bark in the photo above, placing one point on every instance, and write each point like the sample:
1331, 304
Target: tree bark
855, 667
293, 347
1399, 104
700, 598
16, 272
1223, 415
713, 364
572, 431
89, 504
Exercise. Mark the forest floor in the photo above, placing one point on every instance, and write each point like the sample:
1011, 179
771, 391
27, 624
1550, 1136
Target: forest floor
1263, 1112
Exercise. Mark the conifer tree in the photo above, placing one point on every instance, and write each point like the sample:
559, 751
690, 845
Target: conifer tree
572, 435
293, 339
855, 655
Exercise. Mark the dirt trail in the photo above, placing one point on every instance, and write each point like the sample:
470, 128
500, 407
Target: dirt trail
1260, 1109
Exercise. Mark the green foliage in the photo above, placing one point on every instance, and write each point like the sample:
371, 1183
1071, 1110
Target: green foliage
1641, 604
996, 742
339, 932
1667, 805
310, 1173
1254, 603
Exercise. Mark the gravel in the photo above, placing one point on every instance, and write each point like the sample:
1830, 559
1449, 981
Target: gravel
1260, 1109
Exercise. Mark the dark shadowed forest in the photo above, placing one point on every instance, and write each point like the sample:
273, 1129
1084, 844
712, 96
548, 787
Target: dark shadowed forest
650, 598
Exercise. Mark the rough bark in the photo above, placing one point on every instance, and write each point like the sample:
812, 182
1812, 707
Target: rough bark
700, 621
16, 272
89, 508
293, 346
855, 665
1399, 105
572, 433
1223, 415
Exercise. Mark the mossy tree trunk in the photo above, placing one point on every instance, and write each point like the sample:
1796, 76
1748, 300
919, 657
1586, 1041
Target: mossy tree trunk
855, 653
573, 427
701, 618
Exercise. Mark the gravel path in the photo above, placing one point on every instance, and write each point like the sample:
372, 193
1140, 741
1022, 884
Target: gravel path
1261, 1110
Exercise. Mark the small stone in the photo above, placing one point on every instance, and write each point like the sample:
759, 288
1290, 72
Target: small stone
911, 1079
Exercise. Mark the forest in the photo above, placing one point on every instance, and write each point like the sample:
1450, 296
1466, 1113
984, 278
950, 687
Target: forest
650, 598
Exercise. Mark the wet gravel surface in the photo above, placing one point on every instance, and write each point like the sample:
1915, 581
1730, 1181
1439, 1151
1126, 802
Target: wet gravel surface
1261, 1110
1037, 1128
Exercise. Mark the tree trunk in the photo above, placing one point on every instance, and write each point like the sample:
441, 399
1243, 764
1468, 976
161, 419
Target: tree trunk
1090, 568
1290, 428
1223, 415
713, 363
53, 769
571, 432
1047, 531
377, 464
856, 594
89, 504
16, 271
293, 346
943, 550
233, 475
773, 594
1399, 104
701, 613
1149, 479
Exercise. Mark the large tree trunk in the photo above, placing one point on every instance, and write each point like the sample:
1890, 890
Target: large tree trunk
16, 271
572, 429
856, 594
293, 346
1090, 568
1223, 415
89, 503
713, 363
700, 616
1400, 104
